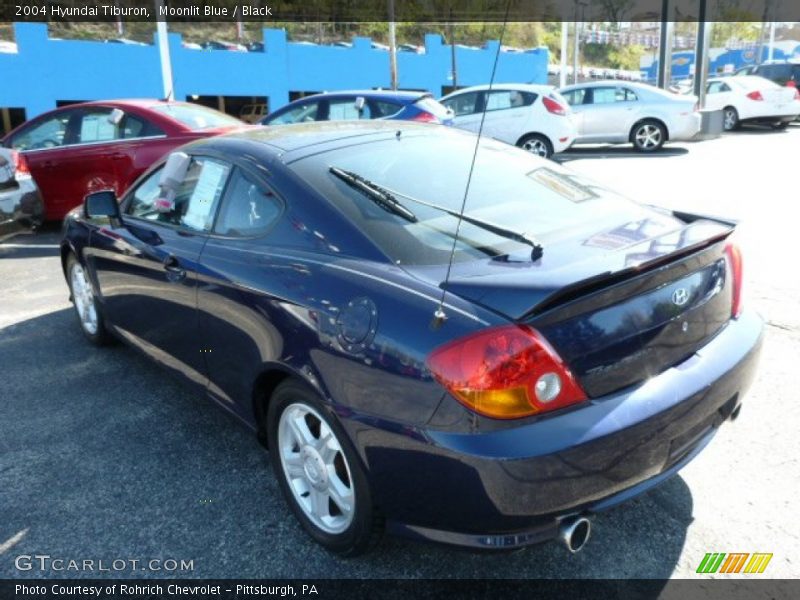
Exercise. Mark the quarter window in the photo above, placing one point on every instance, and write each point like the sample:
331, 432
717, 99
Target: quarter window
248, 209
194, 203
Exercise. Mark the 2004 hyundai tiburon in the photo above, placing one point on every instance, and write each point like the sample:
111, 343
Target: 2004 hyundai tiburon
587, 347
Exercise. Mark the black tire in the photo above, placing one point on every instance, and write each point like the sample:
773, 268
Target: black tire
99, 335
648, 136
537, 144
780, 125
730, 119
366, 526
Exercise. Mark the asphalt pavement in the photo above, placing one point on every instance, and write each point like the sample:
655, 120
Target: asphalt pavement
103, 456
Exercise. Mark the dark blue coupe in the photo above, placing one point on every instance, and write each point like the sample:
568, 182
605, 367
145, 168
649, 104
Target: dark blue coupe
488, 380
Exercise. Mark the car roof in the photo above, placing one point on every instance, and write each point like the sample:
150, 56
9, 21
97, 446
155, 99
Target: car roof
402, 95
523, 87
607, 82
294, 141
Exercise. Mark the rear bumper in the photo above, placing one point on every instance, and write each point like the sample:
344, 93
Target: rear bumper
510, 488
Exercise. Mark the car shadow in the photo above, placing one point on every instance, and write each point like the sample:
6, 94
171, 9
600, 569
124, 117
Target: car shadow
104, 455
606, 151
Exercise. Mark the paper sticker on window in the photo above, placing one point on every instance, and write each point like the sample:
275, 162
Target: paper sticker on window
562, 185
206, 192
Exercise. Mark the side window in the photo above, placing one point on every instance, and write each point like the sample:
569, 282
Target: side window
504, 99
303, 113
49, 133
248, 209
713, 87
95, 127
626, 95
344, 109
194, 203
136, 127
463, 104
604, 95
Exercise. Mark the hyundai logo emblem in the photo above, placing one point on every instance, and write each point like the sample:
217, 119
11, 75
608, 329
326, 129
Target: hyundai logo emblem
680, 297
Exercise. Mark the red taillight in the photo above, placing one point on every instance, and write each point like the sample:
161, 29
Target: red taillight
553, 107
755, 96
21, 168
505, 372
425, 117
734, 256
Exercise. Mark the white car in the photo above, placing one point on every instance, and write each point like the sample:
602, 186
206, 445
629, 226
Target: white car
612, 112
533, 117
749, 98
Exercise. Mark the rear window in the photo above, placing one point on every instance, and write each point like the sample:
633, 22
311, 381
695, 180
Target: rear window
196, 116
509, 188
775, 72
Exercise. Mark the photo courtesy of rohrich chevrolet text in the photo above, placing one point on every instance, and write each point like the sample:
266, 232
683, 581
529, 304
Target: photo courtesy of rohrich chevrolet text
394, 298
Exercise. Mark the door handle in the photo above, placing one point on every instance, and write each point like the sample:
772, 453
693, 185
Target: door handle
175, 272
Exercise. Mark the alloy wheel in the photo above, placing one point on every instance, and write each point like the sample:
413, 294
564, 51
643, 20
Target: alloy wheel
648, 136
316, 468
83, 297
730, 119
536, 146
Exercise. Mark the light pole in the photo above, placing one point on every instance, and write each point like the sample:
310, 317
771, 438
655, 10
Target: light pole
163, 52
392, 47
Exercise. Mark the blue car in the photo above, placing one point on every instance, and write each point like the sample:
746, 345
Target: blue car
362, 105
489, 378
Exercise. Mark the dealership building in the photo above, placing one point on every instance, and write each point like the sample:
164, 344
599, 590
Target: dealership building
38, 73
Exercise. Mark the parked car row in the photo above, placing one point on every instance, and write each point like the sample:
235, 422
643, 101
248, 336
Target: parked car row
78, 149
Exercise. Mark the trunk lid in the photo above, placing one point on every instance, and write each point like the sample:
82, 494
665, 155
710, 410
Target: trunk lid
618, 306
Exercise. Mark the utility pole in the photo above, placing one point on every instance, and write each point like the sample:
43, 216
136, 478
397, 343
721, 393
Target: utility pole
392, 47
771, 51
562, 72
453, 65
576, 49
665, 45
163, 52
701, 53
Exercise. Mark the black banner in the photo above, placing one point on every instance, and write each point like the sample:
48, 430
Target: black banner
343, 11
400, 589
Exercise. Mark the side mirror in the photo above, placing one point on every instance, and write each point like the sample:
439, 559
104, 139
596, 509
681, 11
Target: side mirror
116, 116
101, 204
359, 103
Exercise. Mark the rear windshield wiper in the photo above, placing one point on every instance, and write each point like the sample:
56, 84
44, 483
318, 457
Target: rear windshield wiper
388, 200
383, 198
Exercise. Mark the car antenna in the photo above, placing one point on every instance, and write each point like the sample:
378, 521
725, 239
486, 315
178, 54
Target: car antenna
439, 316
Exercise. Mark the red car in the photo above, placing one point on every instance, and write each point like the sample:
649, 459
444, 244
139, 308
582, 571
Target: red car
82, 148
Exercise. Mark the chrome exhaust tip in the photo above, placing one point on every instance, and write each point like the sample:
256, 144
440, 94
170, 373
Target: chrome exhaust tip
575, 532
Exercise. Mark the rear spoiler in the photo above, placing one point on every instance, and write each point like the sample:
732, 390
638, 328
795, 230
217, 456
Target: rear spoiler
591, 284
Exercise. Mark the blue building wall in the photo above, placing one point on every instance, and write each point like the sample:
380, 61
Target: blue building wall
44, 70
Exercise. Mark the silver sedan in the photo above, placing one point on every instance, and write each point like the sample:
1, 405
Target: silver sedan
617, 113
20, 203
